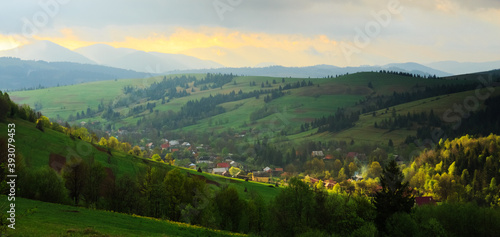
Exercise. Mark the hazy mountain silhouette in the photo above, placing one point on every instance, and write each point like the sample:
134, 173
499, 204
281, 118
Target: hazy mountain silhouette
46, 51
151, 62
457, 68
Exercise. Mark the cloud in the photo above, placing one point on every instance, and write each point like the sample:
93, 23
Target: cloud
283, 31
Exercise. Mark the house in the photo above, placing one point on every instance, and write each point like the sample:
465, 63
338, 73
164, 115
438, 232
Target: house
267, 169
285, 175
260, 176
356, 177
328, 157
352, 154
165, 146
398, 159
277, 172
424, 201
219, 171
234, 163
186, 144
317, 154
150, 145
175, 150
174, 143
330, 184
223, 165
204, 161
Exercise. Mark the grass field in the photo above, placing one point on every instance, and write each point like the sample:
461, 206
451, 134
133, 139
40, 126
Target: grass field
35, 218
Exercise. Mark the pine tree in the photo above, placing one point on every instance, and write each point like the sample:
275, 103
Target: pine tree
395, 195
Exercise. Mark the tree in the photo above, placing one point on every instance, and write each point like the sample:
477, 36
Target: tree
175, 193
113, 143
45, 122
229, 208
375, 170
234, 171
4, 106
136, 151
352, 168
395, 195
74, 175
103, 142
156, 157
342, 175
169, 159
94, 177
126, 196
292, 209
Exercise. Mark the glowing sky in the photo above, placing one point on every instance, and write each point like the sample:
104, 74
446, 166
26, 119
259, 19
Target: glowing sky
250, 32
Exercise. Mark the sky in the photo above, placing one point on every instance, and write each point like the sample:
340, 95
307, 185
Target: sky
247, 33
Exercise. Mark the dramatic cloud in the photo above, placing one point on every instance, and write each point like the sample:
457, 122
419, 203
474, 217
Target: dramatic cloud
287, 32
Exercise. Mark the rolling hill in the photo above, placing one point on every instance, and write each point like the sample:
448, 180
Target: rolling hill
282, 115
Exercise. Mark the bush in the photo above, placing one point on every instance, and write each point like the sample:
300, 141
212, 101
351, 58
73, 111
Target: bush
401, 224
44, 184
366, 230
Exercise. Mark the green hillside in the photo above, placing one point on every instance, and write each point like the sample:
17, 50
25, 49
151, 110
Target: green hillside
36, 148
35, 218
288, 112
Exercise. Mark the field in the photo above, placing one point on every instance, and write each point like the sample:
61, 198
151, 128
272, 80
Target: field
35, 218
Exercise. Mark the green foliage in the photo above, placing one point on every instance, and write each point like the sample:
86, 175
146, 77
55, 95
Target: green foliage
94, 178
44, 184
175, 193
75, 177
400, 224
125, 196
395, 195
292, 210
459, 170
228, 209
156, 157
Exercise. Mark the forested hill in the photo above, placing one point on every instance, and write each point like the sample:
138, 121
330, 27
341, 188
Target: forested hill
17, 74
464, 169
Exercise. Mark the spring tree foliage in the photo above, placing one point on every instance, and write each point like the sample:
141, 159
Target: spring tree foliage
464, 169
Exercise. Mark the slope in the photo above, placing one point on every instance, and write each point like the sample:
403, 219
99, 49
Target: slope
35, 218
38, 147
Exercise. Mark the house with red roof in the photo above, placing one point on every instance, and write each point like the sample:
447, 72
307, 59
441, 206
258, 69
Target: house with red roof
165, 146
223, 165
352, 154
424, 201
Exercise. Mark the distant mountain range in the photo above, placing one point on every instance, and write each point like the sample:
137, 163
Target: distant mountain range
458, 68
151, 62
131, 59
16, 74
104, 62
320, 70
